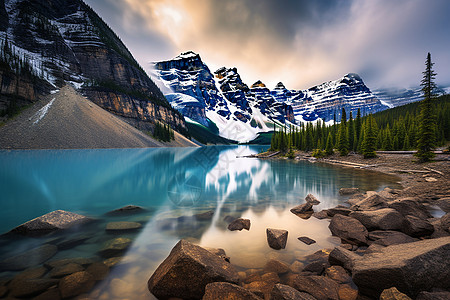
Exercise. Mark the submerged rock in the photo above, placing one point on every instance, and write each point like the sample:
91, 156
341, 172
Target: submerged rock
276, 266
28, 258
411, 268
76, 284
239, 224
348, 191
126, 210
65, 270
306, 240
55, 220
349, 230
115, 247
227, 291
27, 288
174, 276
276, 238
122, 226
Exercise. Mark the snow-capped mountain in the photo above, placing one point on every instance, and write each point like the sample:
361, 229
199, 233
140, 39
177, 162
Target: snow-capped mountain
241, 112
394, 97
46, 44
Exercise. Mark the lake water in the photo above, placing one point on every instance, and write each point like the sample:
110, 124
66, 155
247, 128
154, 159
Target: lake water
170, 183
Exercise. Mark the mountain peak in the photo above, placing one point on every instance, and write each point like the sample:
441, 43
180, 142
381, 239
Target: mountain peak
352, 77
280, 86
187, 55
258, 84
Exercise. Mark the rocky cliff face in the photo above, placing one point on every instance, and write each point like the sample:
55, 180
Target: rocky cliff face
64, 41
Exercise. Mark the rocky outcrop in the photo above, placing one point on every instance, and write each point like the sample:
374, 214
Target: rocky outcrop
55, 220
409, 206
416, 227
349, 230
276, 238
285, 292
321, 288
173, 277
385, 219
411, 268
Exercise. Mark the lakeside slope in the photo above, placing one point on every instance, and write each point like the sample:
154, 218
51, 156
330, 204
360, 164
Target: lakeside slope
67, 120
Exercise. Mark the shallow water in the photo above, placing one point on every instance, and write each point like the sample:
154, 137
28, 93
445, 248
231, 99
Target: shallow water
170, 183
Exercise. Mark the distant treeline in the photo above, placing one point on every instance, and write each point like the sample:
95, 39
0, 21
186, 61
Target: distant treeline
393, 129
163, 132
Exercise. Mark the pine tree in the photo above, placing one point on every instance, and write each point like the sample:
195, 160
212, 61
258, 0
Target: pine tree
358, 125
427, 121
370, 138
329, 146
342, 143
351, 133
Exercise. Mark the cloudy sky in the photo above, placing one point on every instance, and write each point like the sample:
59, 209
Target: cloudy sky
299, 42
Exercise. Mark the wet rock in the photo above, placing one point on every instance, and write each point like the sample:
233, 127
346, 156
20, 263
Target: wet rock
3, 291
411, 268
261, 289
30, 287
33, 273
227, 291
306, 240
285, 292
348, 191
384, 218
345, 211
320, 287
121, 289
393, 294
433, 295
302, 209
115, 247
71, 243
98, 270
372, 202
271, 277
28, 258
239, 224
252, 277
276, 238
297, 266
126, 210
323, 214
173, 277
409, 206
219, 252
205, 216
76, 284
55, 220
349, 230
343, 257
122, 226
444, 204
84, 261
50, 294
229, 219
65, 270
338, 274
416, 227
316, 267
310, 198
276, 266
347, 292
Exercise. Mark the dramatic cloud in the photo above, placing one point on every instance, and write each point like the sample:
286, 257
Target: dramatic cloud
301, 43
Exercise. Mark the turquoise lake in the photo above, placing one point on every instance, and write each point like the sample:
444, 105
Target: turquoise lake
170, 183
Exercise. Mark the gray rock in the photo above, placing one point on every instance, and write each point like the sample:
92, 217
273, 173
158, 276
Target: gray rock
384, 218
28, 258
115, 247
285, 292
349, 230
239, 224
409, 206
444, 204
30, 287
126, 210
76, 284
342, 257
173, 277
55, 220
433, 295
372, 202
416, 227
122, 226
227, 291
393, 294
319, 287
310, 198
276, 238
65, 270
411, 268
306, 240
302, 209
348, 191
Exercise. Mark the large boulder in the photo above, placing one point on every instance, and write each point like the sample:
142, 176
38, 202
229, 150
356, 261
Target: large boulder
227, 291
411, 268
76, 284
384, 218
342, 257
417, 227
372, 202
320, 287
409, 206
28, 258
285, 292
310, 198
55, 220
338, 210
393, 238
276, 238
349, 230
239, 224
305, 208
186, 272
